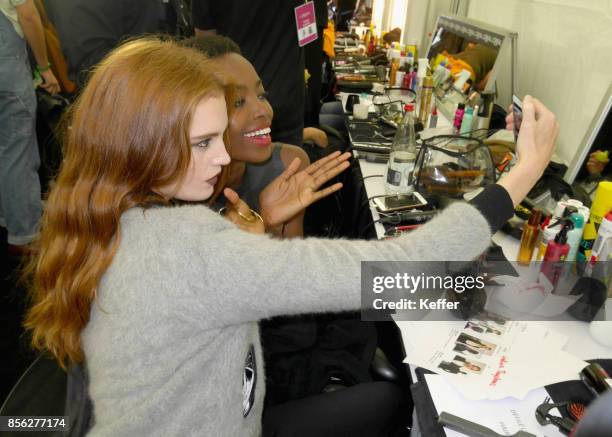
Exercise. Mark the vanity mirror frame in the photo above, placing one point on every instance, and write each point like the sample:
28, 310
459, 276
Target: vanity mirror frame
484, 33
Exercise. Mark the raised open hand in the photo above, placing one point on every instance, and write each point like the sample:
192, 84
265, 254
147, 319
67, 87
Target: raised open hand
293, 191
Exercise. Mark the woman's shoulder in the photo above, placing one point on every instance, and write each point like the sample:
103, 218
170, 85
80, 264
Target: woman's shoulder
172, 220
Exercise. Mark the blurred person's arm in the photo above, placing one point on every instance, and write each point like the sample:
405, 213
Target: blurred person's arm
32, 27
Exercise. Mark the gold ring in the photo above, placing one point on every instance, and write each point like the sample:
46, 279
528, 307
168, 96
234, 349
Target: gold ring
250, 219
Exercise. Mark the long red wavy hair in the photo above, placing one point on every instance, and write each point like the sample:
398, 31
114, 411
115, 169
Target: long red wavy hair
127, 134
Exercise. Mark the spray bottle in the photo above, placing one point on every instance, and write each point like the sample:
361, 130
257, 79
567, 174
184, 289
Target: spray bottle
556, 254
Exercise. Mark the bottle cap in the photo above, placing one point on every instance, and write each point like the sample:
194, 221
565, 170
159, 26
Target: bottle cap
578, 220
409, 107
461, 106
434, 110
535, 216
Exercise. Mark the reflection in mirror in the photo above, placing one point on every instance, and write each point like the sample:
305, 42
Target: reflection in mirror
592, 165
464, 58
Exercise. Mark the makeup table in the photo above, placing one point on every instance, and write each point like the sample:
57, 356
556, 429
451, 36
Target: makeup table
580, 343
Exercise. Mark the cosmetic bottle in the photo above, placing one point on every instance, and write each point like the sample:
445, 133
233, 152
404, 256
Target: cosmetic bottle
433, 120
403, 155
485, 110
425, 99
529, 237
601, 205
602, 248
393, 71
406, 79
462, 78
466, 123
553, 264
574, 237
548, 234
458, 118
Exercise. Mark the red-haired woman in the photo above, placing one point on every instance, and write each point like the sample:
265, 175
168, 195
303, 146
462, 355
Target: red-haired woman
161, 301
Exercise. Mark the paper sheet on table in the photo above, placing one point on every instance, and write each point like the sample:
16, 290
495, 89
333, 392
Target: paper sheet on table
505, 416
519, 356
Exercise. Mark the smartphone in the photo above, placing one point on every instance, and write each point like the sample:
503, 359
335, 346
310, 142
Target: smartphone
399, 202
517, 112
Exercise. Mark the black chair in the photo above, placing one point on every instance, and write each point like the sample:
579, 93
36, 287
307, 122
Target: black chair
45, 389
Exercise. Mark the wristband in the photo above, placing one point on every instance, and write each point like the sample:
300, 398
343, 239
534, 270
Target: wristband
43, 69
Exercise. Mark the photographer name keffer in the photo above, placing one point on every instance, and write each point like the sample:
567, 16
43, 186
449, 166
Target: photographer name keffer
420, 304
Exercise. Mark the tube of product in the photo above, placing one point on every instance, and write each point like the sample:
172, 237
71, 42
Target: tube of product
529, 237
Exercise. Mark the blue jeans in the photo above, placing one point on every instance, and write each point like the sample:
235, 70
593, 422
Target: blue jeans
20, 201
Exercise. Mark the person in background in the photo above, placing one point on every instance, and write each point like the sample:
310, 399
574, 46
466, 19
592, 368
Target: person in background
313, 55
89, 29
161, 301
266, 33
598, 160
20, 197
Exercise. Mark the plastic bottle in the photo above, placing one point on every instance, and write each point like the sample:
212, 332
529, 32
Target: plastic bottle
433, 120
556, 253
403, 155
529, 237
466, 123
413, 77
548, 234
458, 118
602, 249
601, 205
574, 237
393, 71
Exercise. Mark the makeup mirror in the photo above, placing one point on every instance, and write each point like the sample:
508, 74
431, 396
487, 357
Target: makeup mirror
465, 56
598, 141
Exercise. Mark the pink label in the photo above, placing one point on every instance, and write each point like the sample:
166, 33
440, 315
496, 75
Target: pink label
306, 23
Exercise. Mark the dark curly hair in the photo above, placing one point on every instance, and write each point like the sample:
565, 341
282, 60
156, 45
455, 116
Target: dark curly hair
212, 46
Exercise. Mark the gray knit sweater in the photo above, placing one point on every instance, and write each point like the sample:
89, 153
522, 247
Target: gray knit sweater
175, 315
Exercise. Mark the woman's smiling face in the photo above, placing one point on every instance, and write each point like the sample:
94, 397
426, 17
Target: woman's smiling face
251, 114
